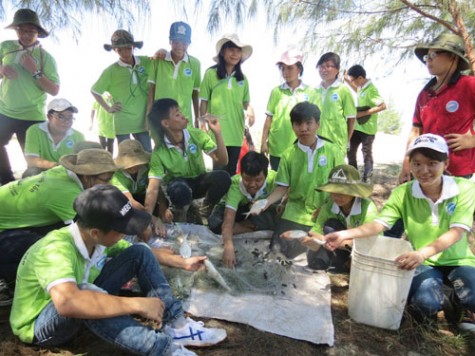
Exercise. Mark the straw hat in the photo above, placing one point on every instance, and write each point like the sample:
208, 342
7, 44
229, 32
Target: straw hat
83, 145
131, 153
345, 179
447, 42
246, 49
90, 162
122, 38
27, 16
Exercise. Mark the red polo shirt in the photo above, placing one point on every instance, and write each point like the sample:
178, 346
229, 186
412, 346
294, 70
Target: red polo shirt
452, 110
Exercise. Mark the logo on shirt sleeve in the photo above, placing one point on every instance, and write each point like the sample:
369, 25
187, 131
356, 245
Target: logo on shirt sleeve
450, 208
452, 106
192, 148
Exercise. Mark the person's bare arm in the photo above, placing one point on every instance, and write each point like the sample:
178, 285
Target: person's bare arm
150, 98
168, 258
371, 111
29, 64
116, 107
220, 155
39, 162
229, 257
251, 117
203, 112
265, 135
335, 239
196, 107
405, 175
72, 302
350, 123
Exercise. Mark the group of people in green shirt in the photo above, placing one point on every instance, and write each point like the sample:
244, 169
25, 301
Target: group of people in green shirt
71, 277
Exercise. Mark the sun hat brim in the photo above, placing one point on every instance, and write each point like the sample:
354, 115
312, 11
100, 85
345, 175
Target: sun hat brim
96, 161
245, 48
136, 44
126, 162
361, 190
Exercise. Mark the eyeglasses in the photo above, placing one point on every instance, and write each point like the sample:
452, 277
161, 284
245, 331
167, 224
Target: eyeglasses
326, 67
64, 118
432, 55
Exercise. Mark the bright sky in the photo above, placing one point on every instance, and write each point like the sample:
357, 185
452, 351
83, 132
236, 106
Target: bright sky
80, 63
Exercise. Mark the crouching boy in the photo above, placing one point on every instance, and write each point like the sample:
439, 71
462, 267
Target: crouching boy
72, 277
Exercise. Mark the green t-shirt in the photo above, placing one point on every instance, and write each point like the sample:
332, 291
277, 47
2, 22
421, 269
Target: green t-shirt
302, 171
237, 194
124, 181
22, 98
177, 81
281, 102
59, 257
40, 144
425, 221
170, 162
40, 200
105, 120
368, 95
129, 86
362, 212
337, 106
226, 97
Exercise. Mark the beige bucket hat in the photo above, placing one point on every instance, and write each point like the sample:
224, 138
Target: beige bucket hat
90, 162
345, 179
131, 153
246, 49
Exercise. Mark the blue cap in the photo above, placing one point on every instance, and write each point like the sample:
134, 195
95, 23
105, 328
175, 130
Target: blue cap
180, 31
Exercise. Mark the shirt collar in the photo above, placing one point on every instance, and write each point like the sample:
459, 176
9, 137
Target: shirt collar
168, 57
365, 85
454, 79
44, 127
335, 84
81, 245
259, 193
301, 86
449, 189
186, 139
123, 64
307, 149
355, 208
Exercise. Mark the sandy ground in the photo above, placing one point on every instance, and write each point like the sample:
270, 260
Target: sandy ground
387, 149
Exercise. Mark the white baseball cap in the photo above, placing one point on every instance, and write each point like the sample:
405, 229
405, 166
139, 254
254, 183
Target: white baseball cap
431, 141
61, 104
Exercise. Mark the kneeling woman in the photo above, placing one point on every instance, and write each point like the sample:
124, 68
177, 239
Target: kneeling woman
437, 211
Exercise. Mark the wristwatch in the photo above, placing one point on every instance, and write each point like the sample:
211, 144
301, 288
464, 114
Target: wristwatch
37, 75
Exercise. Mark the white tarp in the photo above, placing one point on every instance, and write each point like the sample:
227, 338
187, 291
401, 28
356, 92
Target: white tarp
299, 307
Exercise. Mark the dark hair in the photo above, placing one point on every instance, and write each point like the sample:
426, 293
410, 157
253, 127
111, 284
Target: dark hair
221, 66
299, 66
429, 153
254, 163
304, 111
357, 71
330, 57
161, 111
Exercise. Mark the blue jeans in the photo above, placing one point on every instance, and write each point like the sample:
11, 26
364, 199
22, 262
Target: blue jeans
51, 329
142, 137
426, 294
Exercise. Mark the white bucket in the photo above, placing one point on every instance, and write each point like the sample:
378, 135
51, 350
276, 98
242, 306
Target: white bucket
378, 288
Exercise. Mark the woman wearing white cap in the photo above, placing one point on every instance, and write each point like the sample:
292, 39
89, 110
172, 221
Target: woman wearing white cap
437, 211
224, 92
277, 134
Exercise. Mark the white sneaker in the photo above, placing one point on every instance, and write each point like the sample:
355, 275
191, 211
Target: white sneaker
195, 334
181, 351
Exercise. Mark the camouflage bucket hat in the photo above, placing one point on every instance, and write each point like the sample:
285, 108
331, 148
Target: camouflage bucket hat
447, 42
131, 153
90, 162
122, 38
27, 16
345, 179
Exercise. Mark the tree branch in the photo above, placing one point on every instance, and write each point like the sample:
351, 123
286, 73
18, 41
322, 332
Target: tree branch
417, 9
